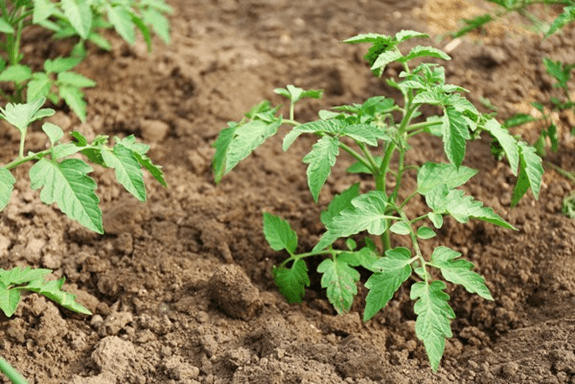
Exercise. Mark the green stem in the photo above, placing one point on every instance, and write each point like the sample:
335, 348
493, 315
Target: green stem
22, 142
422, 125
292, 110
415, 243
404, 203
371, 166
398, 178
12, 374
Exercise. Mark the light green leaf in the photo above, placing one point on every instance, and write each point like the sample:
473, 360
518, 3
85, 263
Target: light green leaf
462, 208
327, 126
74, 80
425, 233
363, 133
121, 18
159, 22
401, 228
61, 64
53, 132
17, 73
530, 173
339, 203
434, 315
221, 145
367, 38
43, 9
455, 135
404, 35
568, 16
5, 27
432, 175
436, 219
385, 58
392, 270
321, 159
79, 15
420, 51
507, 142
6, 187
64, 150
21, 115
367, 258
431, 97
292, 282
100, 41
74, 98
367, 214
139, 151
9, 299
128, 171
279, 234
38, 87
53, 291
459, 271
68, 185
341, 282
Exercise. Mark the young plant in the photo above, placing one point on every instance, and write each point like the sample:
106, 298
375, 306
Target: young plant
64, 180
561, 72
359, 130
69, 18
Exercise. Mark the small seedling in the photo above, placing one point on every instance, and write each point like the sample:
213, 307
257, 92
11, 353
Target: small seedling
63, 179
84, 19
360, 129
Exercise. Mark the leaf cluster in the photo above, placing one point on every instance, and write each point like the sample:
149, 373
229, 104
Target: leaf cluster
371, 133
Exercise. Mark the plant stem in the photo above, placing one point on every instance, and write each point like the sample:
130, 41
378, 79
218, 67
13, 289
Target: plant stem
358, 157
12, 374
22, 160
415, 243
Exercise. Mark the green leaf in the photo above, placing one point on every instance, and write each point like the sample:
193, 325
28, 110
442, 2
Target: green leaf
530, 173
79, 15
39, 87
292, 282
17, 73
333, 126
393, 270
127, 167
434, 315
295, 94
74, 80
401, 228
431, 97
473, 24
139, 151
5, 27
462, 208
43, 9
7, 182
53, 291
61, 64
321, 159
121, 18
560, 72
367, 38
68, 185
279, 234
455, 135
159, 22
420, 51
436, 219
74, 98
367, 257
507, 142
384, 59
425, 233
367, 214
459, 271
568, 16
339, 203
21, 115
432, 175
53, 132
518, 119
63, 150
341, 282
404, 35
358, 167
9, 299
221, 145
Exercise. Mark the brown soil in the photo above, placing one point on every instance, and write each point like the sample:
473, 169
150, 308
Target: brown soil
181, 288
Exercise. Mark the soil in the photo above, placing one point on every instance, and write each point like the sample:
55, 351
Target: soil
181, 286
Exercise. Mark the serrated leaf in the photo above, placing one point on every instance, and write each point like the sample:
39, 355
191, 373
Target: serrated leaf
401, 228
363, 133
473, 24
507, 142
432, 175
79, 15
21, 115
562, 20
530, 173
53, 132
560, 72
38, 87
159, 22
421, 51
327, 126
459, 271
339, 203
68, 185
431, 97
17, 73
340, 280
121, 18
367, 257
436, 219
74, 80
7, 182
53, 291
384, 59
279, 234
9, 300
139, 151
127, 169
404, 35
462, 208
321, 159
74, 98
425, 233
434, 315
367, 38
394, 269
455, 135
292, 282
61, 64
367, 214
